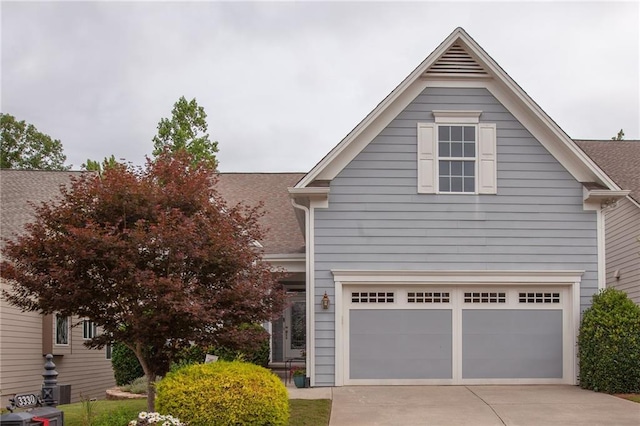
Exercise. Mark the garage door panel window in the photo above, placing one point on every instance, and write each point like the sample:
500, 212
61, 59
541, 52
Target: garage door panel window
372, 297
428, 297
485, 297
539, 297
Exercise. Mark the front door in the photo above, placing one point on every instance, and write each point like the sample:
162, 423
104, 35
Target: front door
295, 327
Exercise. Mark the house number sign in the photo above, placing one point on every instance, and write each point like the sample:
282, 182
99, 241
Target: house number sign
25, 400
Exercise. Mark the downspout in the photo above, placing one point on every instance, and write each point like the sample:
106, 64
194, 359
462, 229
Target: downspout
310, 289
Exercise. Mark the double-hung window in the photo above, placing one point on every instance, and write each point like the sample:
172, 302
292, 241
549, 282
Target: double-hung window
457, 154
89, 330
456, 158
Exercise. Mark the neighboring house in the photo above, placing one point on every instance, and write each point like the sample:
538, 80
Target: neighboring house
621, 161
25, 337
457, 233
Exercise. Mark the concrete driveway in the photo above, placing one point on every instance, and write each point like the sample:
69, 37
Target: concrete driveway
479, 405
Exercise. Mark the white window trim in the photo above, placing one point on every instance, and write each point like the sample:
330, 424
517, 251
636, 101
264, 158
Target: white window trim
55, 330
429, 160
93, 332
569, 279
108, 350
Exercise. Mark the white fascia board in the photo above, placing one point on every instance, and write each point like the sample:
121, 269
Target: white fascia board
289, 262
505, 277
312, 193
512, 87
343, 153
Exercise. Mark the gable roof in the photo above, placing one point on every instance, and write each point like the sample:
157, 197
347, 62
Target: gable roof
283, 234
19, 188
619, 159
460, 62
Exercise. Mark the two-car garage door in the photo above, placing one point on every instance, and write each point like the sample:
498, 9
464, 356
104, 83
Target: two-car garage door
457, 335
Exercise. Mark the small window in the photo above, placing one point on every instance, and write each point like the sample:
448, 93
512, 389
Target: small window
485, 297
539, 298
428, 297
372, 297
88, 329
108, 351
62, 330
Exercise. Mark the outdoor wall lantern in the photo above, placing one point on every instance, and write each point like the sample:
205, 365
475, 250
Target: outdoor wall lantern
325, 301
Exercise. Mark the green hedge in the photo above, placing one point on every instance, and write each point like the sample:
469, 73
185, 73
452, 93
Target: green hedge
609, 344
224, 393
126, 367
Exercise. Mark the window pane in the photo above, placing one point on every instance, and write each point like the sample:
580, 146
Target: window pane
469, 167
456, 149
443, 133
469, 184
469, 149
456, 168
456, 133
443, 148
444, 184
469, 133
445, 168
456, 184
62, 330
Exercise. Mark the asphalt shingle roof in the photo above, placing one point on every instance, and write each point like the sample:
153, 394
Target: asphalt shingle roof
283, 235
20, 187
618, 159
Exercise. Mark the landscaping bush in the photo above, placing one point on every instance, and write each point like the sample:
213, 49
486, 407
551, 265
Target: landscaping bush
253, 348
609, 344
126, 367
224, 393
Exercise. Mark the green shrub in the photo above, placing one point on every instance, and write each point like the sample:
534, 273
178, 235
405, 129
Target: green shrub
609, 344
224, 393
254, 348
138, 386
126, 367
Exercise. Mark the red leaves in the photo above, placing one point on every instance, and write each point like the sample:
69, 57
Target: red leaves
153, 256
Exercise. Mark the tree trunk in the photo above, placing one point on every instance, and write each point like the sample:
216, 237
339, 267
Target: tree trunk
151, 392
151, 379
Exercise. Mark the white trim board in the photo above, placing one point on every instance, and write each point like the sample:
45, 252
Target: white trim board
568, 282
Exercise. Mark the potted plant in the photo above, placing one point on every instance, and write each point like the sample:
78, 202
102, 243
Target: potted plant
299, 376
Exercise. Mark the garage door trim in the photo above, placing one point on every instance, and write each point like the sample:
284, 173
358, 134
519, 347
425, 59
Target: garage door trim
567, 281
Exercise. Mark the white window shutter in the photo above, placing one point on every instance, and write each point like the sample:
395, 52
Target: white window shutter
427, 158
487, 159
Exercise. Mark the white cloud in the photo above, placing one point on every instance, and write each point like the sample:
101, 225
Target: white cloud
282, 83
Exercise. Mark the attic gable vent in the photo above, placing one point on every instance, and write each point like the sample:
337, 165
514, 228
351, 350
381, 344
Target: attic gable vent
456, 61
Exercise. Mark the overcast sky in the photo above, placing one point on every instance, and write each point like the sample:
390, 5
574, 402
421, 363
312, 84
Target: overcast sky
283, 83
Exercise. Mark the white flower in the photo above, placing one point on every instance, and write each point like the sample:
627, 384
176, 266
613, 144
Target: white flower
143, 415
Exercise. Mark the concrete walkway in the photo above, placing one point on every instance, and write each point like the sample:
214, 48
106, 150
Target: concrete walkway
479, 405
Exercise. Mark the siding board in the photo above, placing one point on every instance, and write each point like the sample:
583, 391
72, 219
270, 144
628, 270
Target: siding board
376, 219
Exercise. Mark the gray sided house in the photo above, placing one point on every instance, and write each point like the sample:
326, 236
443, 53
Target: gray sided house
26, 336
457, 233
621, 161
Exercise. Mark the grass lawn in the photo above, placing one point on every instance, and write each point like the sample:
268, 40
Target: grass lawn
119, 413
635, 397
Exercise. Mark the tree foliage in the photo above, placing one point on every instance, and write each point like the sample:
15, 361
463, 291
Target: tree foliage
153, 256
24, 147
186, 130
96, 166
619, 136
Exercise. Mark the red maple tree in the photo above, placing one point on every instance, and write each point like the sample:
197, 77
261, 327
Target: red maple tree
153, 256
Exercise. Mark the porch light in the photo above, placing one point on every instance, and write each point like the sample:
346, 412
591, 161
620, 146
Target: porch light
325, 301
